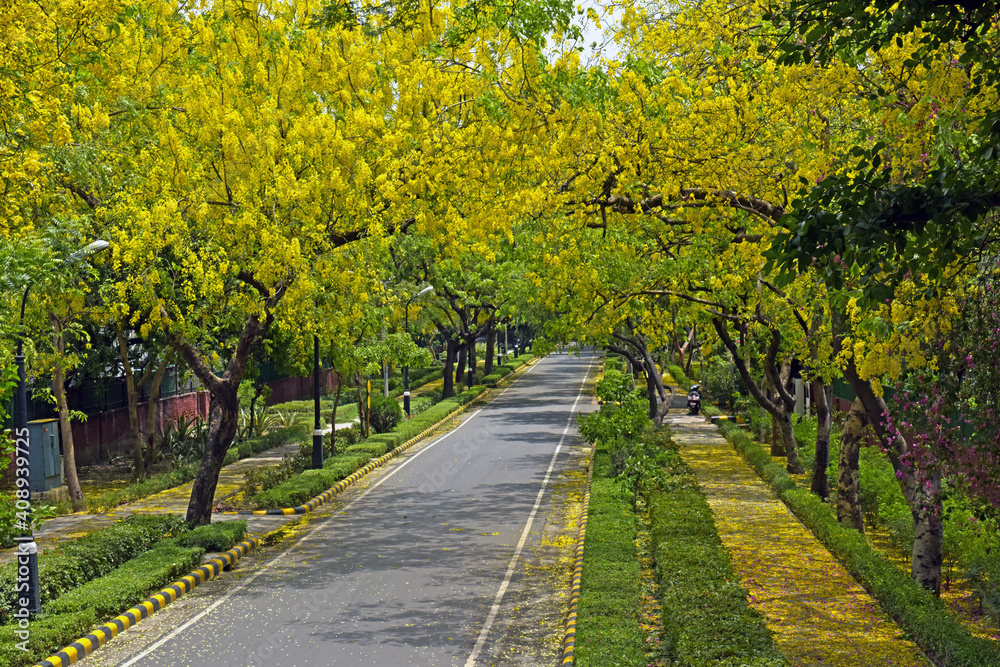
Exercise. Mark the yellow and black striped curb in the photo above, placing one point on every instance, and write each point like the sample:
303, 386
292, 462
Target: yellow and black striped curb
86, 645
727, 418
343, 484
569, 636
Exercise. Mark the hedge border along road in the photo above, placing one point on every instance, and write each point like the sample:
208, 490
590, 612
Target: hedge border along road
569, 636
86, 645
348, 481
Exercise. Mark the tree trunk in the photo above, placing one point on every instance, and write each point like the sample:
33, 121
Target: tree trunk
135, 435
223, 418
460, 366
152, 408
780, 409
824, 397
333, 418
848, 497
491, 340
65, 428
448, 390
472, 358
777, 442
928, 535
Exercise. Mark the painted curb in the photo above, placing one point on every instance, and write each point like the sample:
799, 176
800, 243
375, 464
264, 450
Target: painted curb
348, 481
569, 635
86, 645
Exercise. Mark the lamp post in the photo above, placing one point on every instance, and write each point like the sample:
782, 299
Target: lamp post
28, 600
406, 368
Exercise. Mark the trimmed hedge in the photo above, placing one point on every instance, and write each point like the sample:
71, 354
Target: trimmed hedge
89, 557
608, 631
373, 448
922, 616
216, 537
48, 634
131, 583
706, 617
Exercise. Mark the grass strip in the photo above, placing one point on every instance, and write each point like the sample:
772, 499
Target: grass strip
607, 629
924, 617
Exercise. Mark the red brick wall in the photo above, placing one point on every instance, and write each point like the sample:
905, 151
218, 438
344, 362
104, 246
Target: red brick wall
107, 432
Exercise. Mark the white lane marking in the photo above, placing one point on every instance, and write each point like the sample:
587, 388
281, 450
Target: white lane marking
524, 534
282, 555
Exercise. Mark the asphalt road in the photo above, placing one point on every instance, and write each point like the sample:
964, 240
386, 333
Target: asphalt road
422, 567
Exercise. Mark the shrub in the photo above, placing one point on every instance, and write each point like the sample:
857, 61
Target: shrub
131, 583
608, 631
492, 379
372, 449
217, 537
89, 557
256, 480
345, 464
722, 380
49, 633
385, 413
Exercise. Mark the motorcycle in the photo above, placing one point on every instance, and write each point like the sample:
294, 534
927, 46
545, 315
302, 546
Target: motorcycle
694, 399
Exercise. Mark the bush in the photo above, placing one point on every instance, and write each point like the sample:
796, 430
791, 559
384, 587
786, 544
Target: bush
89, 557
49, 633
492, 379
385, 413
217, 537
345, 464
131, 583
372, 449
608, 631
257, 480
722, 381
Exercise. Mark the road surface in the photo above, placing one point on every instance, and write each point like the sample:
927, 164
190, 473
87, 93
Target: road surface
455, 554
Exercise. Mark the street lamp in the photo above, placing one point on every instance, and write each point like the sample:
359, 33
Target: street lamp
29, 602
406, 368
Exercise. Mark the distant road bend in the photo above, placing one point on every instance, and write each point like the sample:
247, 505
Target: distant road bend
426, 566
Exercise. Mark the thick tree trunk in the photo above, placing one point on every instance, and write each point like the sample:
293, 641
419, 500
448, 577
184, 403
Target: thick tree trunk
491, 341
824, 397
848, 496
448, 390
651, 394
777, 442
223, 417
460, 366
928, 535
65, 428
152, 408
473, 362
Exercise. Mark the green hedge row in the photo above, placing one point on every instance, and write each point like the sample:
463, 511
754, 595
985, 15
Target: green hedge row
89, 557
73, 614
607, 630
129, 584
924, 617
216, 537
47, 634
706, 618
